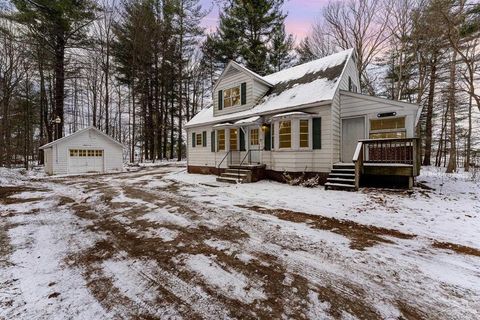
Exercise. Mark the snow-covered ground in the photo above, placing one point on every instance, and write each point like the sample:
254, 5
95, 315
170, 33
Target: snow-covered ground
162, 243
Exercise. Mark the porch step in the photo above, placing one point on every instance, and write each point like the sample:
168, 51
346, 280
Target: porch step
235, 175
237, 171
343, 166
341, 180
227, 180
341, 186
343, 170
342, 177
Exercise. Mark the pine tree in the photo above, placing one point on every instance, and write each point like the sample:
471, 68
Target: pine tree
246, 33
280, 55
304, 51
60, 25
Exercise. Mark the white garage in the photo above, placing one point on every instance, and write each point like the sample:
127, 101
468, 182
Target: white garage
86, 151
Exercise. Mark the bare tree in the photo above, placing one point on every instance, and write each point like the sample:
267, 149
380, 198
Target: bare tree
358, 24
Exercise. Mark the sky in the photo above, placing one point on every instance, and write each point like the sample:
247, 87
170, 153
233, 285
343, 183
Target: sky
301, 15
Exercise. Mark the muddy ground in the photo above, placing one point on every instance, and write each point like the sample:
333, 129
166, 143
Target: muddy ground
144, 249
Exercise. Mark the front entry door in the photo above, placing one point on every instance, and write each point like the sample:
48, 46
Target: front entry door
254, 144
353, 129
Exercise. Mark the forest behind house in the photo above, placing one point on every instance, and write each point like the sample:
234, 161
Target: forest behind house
139, 70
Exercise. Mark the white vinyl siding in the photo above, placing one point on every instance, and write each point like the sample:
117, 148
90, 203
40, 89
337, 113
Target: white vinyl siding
204, 157
87, 140
255, 90
358, 105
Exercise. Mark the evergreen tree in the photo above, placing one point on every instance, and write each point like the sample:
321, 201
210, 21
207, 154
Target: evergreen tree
304, 51
280, 55
58, 24
246, 34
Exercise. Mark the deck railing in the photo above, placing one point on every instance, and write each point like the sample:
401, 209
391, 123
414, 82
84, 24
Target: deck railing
390, 150
405, 151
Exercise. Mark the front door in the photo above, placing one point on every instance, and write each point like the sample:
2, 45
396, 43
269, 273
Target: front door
353, 129
254, 144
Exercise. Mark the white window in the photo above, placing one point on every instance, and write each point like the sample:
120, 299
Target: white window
231, 97
304, 134
198, 140
387, 128
221, 139
254, 137
285, 134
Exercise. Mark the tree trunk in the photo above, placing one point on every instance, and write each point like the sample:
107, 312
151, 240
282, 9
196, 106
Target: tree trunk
468, 146
452, 162
59, 84
428, 128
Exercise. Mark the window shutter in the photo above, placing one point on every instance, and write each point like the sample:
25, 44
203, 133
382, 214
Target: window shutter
272, 130
268, 138
243, 93
193, 139
204, 138
212, 141
242, 140
220, 99
317, 133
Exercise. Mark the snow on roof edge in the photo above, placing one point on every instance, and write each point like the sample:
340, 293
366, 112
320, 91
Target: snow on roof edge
65, 138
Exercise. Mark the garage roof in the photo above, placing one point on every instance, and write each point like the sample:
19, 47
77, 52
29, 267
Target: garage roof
51, 144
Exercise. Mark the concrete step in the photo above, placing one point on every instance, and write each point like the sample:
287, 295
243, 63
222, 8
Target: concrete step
341, 180
342, 186
242, 171
227, 180
234, 175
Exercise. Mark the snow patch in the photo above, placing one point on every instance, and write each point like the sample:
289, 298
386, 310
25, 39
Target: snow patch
231, 283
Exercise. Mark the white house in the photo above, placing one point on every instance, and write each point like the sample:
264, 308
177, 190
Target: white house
307, 119
87, 150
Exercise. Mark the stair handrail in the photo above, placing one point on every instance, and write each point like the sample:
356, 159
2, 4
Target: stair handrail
358, 162
226, 155
246, 155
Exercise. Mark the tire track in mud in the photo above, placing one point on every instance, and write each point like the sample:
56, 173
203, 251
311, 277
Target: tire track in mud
243, 230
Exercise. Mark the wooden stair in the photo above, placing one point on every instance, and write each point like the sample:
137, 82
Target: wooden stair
235, 175
342, 177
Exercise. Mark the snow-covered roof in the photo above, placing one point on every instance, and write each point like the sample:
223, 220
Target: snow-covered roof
248, 120
290, 114
50, 144
303, 85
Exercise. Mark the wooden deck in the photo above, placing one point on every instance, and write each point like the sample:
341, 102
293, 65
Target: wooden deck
387, 158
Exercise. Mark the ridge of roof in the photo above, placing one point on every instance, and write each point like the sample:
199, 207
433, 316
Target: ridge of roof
292, 88
62, 139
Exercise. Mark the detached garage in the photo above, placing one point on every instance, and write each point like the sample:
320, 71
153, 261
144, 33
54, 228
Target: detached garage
86, 151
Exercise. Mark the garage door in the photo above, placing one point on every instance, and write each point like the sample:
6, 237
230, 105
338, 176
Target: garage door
85, 160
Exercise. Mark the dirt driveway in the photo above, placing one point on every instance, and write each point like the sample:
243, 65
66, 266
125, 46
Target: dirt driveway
136, 246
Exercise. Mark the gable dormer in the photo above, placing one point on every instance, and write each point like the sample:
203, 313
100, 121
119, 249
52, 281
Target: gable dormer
237, 89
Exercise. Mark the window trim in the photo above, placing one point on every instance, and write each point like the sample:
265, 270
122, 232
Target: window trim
309, 134
250, 136
290, 134
239, 97
380, 131
198, 144
219, 140
236, 140
295, 132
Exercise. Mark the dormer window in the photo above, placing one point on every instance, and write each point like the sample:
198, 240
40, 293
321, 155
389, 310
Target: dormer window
231, 97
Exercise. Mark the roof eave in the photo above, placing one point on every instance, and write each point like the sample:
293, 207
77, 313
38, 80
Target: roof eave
265, 113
